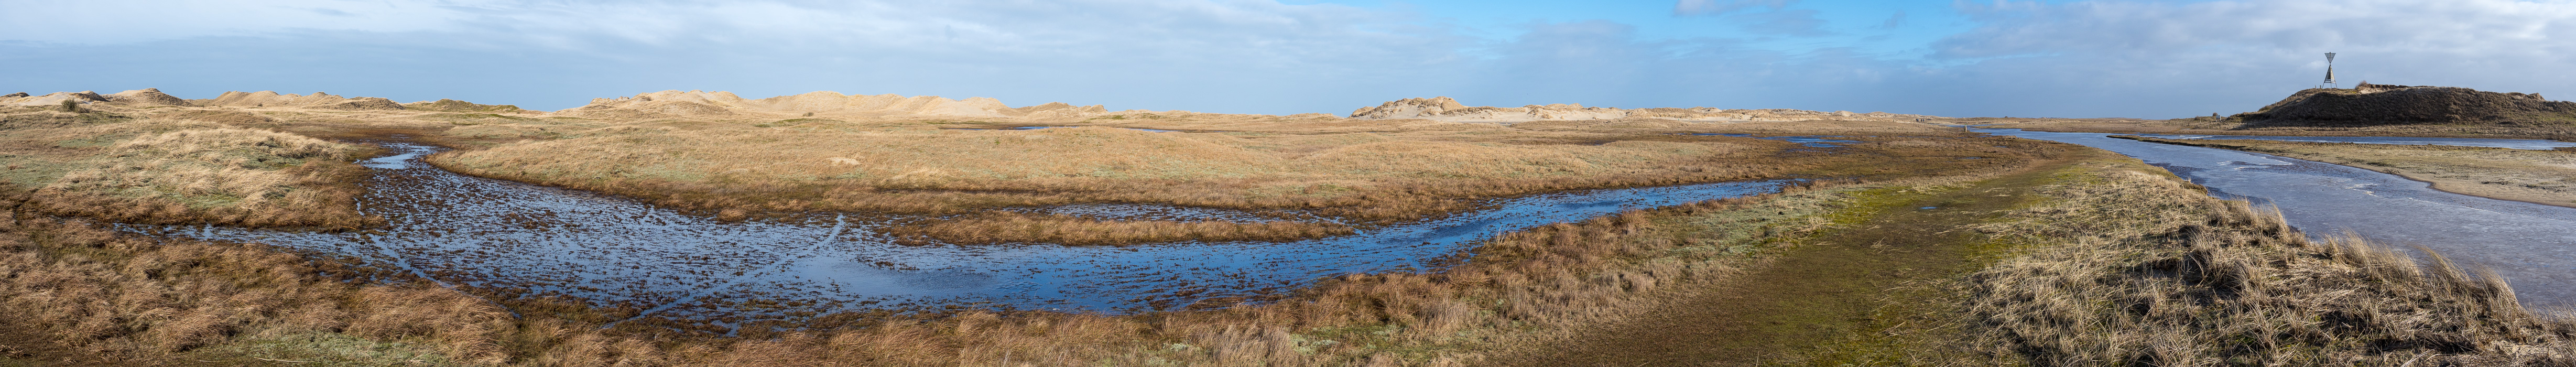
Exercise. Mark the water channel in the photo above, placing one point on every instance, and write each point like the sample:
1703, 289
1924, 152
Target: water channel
2532, 245
535, 241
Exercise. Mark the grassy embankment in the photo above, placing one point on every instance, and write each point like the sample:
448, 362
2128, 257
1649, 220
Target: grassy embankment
2538, 176
119, 167
2102, 262
2137, 267
1401, 172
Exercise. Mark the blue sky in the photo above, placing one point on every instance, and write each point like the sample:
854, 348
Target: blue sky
2092, 58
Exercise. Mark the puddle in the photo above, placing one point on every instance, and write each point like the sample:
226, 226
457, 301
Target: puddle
1810, 141
528, 240
2532, 245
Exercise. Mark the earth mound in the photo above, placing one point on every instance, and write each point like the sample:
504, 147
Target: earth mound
1446, 109
674, 103
2380, 104
450, 105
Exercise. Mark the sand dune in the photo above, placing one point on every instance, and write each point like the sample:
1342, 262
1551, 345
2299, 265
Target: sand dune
1446, 109
139, 97
316, 100
701, 103
51, 99
146, 97
721, 105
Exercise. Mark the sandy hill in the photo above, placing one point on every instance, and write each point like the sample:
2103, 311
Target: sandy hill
139, 97
1446, 109
700, 103
2379, 104
316, 100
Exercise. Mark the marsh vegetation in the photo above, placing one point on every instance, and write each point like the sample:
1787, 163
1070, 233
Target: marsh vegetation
2086, 258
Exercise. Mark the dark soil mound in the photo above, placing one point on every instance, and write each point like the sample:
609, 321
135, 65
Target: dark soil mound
2373, 104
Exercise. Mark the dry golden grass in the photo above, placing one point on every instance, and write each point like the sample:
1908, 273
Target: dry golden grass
111, 298
175, 171
2139, 268
1071, 230
2538, 176
1409, 172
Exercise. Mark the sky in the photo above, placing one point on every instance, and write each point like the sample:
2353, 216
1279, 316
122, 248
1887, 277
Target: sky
2091, 58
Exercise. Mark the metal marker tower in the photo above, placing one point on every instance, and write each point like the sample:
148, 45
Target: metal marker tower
2329, 68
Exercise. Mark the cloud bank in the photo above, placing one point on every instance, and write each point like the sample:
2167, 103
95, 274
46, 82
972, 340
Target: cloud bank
2083, 58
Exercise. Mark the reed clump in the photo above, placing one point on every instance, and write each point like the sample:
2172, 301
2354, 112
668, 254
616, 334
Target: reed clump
1006, 227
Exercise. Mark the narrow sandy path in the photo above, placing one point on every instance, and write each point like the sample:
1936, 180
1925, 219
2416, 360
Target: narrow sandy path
1812, 295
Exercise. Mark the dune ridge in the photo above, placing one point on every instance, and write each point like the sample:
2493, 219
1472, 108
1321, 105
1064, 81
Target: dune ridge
1447, 109
722, 105
673, 103
319, 100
